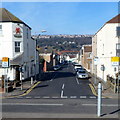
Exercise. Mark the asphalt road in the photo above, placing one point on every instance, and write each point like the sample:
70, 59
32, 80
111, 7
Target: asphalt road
59, 95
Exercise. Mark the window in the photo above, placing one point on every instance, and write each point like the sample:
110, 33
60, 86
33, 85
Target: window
0, 29
118, 46
118, 49
17, 46
27, 33
118, 31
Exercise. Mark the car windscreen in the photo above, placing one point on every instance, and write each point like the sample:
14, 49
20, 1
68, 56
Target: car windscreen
81, 72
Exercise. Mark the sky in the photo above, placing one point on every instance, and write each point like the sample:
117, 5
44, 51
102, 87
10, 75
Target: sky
63, 17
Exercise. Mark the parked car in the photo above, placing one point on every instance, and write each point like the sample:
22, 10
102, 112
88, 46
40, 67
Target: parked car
79, 69
57, 67
77, 66
82, 74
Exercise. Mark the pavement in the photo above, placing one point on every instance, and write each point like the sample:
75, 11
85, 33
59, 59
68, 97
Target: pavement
18, 91
106, 90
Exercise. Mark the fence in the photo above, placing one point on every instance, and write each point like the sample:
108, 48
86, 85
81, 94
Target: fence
113, 83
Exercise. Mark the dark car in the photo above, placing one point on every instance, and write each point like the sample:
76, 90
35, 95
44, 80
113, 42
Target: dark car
57, 67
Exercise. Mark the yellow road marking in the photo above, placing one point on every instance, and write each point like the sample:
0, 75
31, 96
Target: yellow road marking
28, 91
94, 91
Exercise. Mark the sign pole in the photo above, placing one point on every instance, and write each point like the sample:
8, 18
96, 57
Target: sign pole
99, 99
118, 77
21, 80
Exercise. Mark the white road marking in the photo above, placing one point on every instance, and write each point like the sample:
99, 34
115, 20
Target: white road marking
63, 86
92, 97
46, 97
53, 77
32, 104
20, 97
73, 96
77, 81
28, 97
64, 97
55, 97
37, 97
82, 96
61, 93
108, 105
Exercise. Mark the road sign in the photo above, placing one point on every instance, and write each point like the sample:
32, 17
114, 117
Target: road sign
115, 61
96, 61
5, 62
102, 67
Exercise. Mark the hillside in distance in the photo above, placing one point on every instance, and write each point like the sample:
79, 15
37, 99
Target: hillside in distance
63, 42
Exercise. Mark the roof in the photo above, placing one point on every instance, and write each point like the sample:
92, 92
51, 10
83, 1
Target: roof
115, 19
6, 16
87, 48
45, 50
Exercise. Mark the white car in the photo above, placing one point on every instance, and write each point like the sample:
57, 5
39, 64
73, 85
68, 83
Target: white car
77, 66
82, 74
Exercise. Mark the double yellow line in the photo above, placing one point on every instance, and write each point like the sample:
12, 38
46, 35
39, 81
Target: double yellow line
94, 91
27, 92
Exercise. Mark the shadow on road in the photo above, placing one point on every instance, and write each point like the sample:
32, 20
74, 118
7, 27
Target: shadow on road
65, 74
53, 75
40, 86
113, 112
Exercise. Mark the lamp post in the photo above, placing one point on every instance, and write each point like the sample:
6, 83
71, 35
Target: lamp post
36, 53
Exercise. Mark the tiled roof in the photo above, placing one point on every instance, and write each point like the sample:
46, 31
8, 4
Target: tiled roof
115, 19
45, 50
6, 16
87, 48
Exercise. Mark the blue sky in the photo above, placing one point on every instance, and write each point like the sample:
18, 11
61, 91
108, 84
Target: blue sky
63, 17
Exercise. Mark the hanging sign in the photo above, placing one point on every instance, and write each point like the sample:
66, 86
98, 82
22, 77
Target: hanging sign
17, 32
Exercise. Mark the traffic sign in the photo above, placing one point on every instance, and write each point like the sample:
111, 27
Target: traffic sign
115, 61
5, 62
102, 67
96, 61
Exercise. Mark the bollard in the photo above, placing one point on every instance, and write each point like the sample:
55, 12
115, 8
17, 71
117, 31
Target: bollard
99, 99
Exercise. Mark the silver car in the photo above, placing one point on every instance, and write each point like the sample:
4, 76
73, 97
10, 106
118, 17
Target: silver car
82, 74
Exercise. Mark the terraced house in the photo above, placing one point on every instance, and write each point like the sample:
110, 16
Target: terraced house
106, 48
16, 44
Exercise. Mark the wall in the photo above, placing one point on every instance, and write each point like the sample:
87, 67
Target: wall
106, 48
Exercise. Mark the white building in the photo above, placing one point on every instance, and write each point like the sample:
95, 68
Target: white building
16, 44
106, 44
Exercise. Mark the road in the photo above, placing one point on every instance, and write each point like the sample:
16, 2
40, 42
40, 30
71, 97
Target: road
59, 95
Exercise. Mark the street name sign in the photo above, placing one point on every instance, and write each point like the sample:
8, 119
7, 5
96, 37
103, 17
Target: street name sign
5, 62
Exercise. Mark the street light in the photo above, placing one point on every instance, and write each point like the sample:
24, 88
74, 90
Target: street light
36, 51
